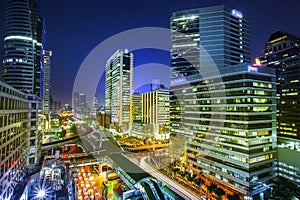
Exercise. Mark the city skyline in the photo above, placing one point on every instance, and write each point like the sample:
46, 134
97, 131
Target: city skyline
90, 28
205, 104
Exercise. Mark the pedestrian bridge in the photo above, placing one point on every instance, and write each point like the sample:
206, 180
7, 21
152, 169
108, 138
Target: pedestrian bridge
137, 179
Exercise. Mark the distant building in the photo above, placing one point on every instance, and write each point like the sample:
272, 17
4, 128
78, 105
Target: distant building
75, 103
47, 87
57, 106
282, 52
104, 119
51, 104
67, 107
137, 108
118, 89
94, 108
151, 112
155, 107
79, 105
223, 119
156, 84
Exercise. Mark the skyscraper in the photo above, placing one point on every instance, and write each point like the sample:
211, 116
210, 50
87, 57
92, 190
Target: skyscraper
118, 88
222, 32
46, 83
282, 52
57, 106
23, 45
94, 108
23, 65
222, 109
79, 104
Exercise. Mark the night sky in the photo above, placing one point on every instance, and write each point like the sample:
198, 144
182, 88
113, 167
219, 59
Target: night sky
75, 27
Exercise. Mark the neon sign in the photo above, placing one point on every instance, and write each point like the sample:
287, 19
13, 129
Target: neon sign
236, 13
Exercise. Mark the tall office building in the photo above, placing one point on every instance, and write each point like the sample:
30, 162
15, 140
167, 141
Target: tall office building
137, 108
156, 107
222, 32
46, 87
23, 45
17, 118
223, 117
23, 63
94, 108
118, 88
282, 52
75, 103
79, 105
57, 106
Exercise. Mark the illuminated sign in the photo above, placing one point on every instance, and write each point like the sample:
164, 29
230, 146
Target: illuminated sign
236, 13
191, 17
252, 69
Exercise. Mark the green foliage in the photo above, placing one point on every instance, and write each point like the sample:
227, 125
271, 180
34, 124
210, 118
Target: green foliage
175, 170
219, 192
73, 129
190, 178
198, 181
212, 188
233, 197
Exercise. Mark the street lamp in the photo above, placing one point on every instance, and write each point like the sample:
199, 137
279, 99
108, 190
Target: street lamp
41, 193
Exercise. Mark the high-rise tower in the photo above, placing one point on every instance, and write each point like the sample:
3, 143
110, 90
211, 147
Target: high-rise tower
282, 52
23, 45
23, 64
222, 110
46, 81
118, 88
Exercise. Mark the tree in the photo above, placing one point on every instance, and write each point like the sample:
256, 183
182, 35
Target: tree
219, 192
198, 181
62, 134
235, 196
212, 188
175, 170
73, 129
190, 178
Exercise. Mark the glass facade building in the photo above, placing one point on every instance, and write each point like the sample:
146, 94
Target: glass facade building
23, 45
46, 88
222, 110
282, 52
119, 87
222, 32
79, 105
23, 64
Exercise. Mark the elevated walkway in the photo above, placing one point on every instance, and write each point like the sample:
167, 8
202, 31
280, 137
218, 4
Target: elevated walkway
135, 177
